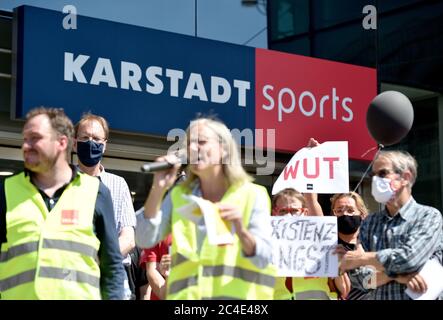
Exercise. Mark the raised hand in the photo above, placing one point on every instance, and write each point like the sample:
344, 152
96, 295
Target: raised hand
230, 213
165, 179
312, 143
165, 265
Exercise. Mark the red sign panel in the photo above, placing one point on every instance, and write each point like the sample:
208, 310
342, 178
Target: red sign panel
302, 97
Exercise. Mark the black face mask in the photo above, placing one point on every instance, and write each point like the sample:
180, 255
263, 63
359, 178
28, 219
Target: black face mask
348, 224
89, 152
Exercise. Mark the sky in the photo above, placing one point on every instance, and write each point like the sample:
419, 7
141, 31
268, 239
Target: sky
223, 20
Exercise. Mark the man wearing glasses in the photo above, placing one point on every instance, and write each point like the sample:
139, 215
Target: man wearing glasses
398, 240
91, 136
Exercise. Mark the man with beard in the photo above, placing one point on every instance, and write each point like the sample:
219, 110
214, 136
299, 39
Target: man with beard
57, 235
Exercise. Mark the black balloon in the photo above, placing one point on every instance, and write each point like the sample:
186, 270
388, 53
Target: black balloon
389, 117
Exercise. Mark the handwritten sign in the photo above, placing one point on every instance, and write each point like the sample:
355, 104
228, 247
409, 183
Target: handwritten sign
303, 246
321, 169
218, 231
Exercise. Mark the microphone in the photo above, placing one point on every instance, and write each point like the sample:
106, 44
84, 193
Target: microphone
160, 165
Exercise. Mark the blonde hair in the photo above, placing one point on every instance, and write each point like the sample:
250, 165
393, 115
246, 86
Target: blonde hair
353, 195
231, 162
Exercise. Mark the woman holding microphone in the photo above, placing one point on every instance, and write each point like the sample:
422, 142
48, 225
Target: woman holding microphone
199, 270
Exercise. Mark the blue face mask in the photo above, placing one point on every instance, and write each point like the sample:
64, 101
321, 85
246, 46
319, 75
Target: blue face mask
89, 152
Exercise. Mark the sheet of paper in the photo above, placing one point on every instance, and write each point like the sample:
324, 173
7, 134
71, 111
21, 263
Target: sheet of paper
432, 274
218, 231
191, 211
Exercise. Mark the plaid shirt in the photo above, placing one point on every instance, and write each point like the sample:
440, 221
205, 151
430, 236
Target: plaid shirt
121, 199
403, 244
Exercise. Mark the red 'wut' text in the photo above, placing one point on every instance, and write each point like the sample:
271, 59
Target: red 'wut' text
290, 172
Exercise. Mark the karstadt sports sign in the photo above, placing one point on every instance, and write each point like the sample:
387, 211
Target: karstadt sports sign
149, 81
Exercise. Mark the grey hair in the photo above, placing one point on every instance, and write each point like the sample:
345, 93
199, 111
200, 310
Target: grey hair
401, 161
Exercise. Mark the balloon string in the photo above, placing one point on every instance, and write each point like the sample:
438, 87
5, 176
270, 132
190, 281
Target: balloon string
373, 148
379, 146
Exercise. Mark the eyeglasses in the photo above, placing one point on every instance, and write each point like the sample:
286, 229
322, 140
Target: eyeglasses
343, 210
285, 210
94, 138
382, 173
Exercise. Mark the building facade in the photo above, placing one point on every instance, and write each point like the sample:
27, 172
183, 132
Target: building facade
404, 49
401, 39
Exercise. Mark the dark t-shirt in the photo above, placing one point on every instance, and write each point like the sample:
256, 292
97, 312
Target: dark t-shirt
348, 246
112, 273
354, 294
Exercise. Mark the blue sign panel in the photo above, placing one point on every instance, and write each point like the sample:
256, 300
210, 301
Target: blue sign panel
141, 80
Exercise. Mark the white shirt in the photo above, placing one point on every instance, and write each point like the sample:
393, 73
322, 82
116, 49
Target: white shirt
122, 202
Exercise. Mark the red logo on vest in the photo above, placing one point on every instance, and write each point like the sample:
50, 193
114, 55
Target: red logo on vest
69, 216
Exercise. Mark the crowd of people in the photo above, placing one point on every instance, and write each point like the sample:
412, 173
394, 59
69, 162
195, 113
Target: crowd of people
69, 231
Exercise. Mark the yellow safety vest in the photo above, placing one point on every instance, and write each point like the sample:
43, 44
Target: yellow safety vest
280, 290
50, 255
216, 272
312, 289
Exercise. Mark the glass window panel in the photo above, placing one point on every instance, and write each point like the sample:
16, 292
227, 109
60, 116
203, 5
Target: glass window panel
350, 44
384, 6
299, 46
411, 47
289, 18
327, 13
422, 142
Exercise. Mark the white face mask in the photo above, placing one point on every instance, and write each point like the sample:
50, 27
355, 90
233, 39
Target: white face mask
381, 189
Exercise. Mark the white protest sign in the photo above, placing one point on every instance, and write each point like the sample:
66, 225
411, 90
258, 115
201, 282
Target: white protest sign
321, 169
217, 230
303, 246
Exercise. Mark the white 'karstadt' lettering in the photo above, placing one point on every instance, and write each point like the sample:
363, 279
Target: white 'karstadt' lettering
157, 80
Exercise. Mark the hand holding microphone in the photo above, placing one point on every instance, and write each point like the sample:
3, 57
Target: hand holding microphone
165, 170
162, 165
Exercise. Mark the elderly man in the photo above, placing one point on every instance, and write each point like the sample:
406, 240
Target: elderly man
398, 241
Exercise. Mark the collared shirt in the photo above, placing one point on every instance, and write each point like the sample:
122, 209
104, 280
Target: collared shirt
151, 231
403, 244
111, 269
122, 202
121, 198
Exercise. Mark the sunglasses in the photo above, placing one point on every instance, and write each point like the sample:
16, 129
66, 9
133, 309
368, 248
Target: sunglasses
382, 173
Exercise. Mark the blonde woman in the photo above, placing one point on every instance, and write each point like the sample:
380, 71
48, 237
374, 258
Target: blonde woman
241, 270
350, 210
